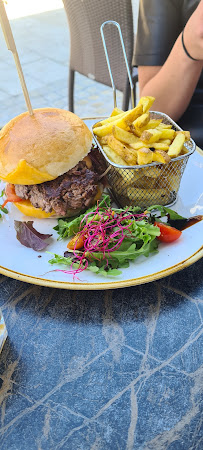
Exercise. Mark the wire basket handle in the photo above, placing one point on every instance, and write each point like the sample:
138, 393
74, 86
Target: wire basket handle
112, 22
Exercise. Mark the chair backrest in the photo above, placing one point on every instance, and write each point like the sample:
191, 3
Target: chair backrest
86, 48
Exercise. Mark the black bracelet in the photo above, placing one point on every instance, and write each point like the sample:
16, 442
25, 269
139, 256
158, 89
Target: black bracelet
185, 50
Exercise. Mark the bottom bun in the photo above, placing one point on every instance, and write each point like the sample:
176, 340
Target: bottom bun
26, 208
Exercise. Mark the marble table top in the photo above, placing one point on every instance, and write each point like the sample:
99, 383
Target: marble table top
119, 369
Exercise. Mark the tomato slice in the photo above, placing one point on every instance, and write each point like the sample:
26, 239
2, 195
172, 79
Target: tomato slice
11, 195
168, 234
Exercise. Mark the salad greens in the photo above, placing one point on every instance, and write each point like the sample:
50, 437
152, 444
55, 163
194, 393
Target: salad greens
111, 238
173, 218
173, 215
2, 209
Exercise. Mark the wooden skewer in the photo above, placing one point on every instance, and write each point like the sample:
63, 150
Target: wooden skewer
8, 35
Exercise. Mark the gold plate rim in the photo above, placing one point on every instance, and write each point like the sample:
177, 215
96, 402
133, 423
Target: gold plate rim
104, 286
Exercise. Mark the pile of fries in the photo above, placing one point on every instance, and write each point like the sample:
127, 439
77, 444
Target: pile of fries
145, 150
134, 138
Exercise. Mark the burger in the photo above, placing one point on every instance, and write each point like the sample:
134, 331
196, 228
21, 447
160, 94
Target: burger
45, 159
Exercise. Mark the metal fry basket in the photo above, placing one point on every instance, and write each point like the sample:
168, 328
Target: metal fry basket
149, 184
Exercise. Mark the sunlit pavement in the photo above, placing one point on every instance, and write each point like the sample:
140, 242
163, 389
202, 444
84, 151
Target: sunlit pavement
21, 8
41, 34
42, 42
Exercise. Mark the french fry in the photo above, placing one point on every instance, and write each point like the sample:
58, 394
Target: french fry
135, 130
139, 144
161, 156
177, 145
121, 120
167, 133
184, 150
186, 133
128, 176
129, 117
131, 158
165, 141
160, 146
129, 155
117, 146
164, 125
151, 135
144, 156
103, 140
173, 182
112, 155
147, 195
143, 182
116, 111
124, 136
103, 130
146, 103
153, 123
151, 172
110, 119
141, 121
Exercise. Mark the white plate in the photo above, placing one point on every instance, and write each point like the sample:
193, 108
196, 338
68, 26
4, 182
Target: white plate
19, 262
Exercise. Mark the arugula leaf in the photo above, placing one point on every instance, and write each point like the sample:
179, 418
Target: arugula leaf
67, 261
164, 211
58, 259
4, 210
173, 218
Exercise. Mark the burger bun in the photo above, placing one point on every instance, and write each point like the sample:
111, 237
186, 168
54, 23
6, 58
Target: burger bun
41, 147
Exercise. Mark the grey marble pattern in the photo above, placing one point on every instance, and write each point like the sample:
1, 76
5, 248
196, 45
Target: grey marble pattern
118, 369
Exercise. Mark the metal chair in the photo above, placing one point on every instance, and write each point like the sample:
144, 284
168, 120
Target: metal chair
87, 56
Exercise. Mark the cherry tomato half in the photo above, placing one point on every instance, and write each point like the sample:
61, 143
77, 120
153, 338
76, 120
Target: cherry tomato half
168, 234
10, 194
77, 242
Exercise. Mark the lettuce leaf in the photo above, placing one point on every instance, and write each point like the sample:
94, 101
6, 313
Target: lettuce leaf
92, 266
173, 218
166, 211
28, 236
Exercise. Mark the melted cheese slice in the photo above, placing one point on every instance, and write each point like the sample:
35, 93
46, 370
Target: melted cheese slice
24, 173
26, 208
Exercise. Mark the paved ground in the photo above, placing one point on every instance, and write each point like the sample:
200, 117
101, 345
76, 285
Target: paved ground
23, 8
42, 42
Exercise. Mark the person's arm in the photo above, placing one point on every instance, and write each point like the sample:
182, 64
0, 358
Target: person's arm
173, 84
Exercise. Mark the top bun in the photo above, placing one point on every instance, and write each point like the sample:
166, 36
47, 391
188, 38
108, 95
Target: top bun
47, 144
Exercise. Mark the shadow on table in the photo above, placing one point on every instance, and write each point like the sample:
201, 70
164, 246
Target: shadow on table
137, 302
